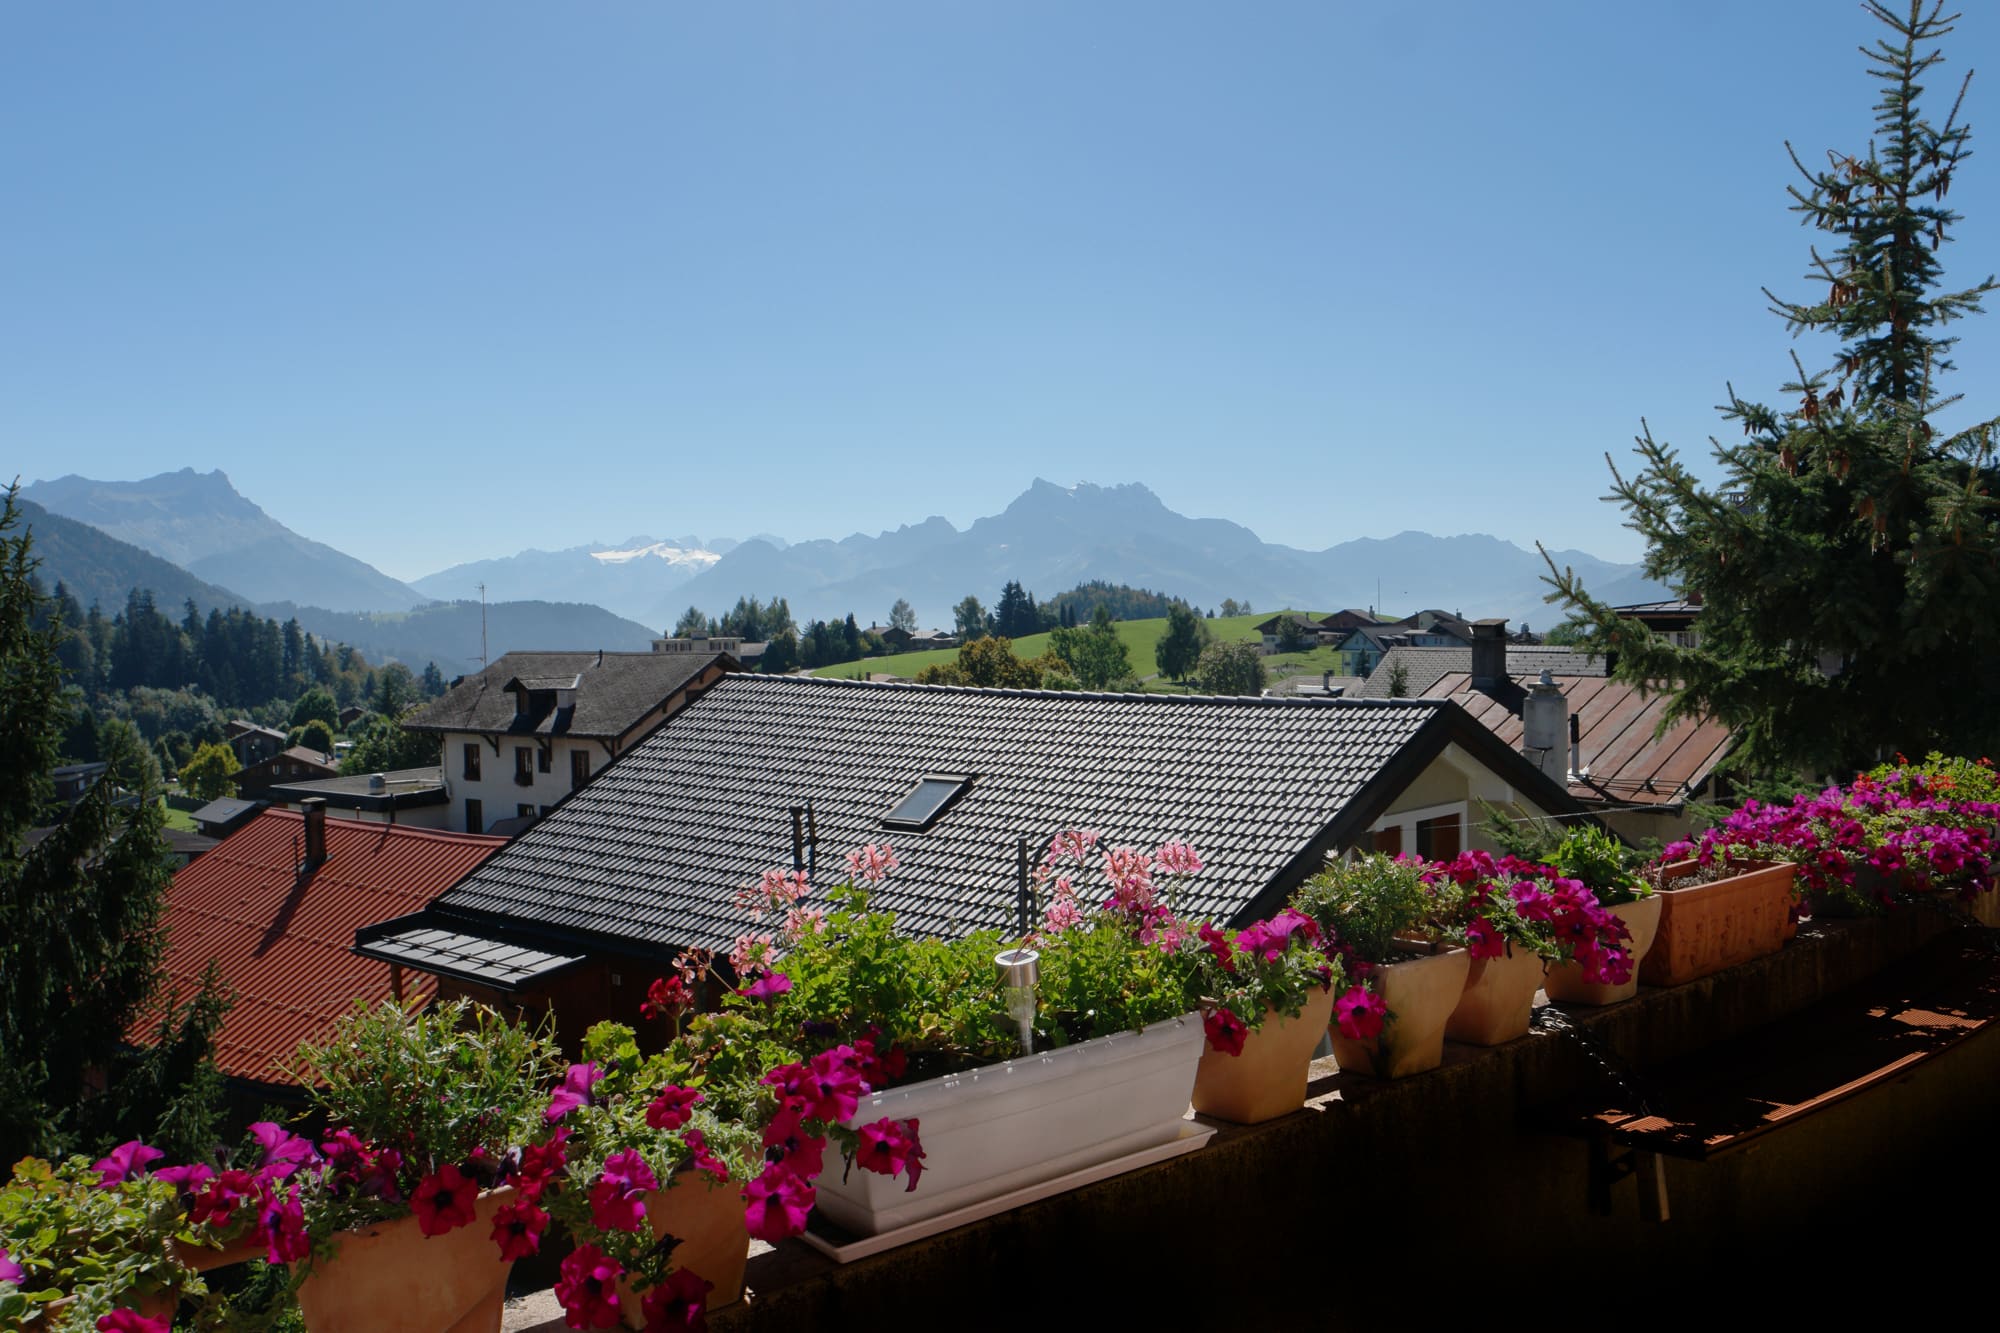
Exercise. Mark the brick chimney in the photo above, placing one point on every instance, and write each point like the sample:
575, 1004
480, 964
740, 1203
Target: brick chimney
315, 810
1489, 654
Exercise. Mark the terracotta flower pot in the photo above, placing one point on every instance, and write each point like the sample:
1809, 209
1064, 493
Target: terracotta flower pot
1420, 994
706, 1215
1499, 999
1707, 927
391, 1278
1269, 1078
1642, 918
208, 1258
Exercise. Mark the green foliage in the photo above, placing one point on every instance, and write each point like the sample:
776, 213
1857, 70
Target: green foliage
1848, 547
1094, 654
314, 735
1123, 601
79, 911
1399, 681
1963, 779
1100, 978
692, 624
316, 703
969, 618
988, 662
208, 775
1365, 904
437, 1084
1231, 668
382, 745
100, 1245
903, 616
1179, 649
938, 999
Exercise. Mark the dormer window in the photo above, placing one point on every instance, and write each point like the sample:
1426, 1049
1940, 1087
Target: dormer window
928, 800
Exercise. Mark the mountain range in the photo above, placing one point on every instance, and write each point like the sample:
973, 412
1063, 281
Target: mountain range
1051, 538
202, 539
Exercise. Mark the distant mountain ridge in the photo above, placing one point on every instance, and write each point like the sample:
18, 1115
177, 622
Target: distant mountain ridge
97, 567
200, 522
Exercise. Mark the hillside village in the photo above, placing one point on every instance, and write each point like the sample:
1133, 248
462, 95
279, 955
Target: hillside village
761, 934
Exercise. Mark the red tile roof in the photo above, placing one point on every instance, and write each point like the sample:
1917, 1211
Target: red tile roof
1627, 762
286, 951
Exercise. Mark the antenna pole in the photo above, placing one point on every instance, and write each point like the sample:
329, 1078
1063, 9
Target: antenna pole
482, 625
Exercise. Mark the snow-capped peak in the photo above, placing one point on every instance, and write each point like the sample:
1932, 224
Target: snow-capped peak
674, 555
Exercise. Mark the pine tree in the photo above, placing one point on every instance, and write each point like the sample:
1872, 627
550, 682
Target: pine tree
1847, 562
79, 916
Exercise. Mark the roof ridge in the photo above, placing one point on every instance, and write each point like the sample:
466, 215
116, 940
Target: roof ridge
377, 827
997, 691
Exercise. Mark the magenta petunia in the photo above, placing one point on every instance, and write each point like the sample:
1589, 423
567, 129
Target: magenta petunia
574, 1092
445, 1201
131, 1321
1226, 1032
9, 1270
703, 1159
284, 1152
776, 1204
128, 1161
283, 1224
1360, 1013
679, 1304
768, 986
518, 1228
889, 1148
672, 1108
587, 1290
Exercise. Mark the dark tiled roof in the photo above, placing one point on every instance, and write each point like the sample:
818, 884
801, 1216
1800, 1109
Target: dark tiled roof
614, 691
283, 947
1672, 606
226, 812
650, 852
1425, 667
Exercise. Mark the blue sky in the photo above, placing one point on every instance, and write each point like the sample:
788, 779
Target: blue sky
442, 281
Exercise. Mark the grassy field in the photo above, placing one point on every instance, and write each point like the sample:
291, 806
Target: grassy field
181, 820
1140, 637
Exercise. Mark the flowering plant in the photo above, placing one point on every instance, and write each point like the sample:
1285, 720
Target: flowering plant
1371, 911
1508, 901
1601, 863
424, 1111
1272, 967
96, 1233
630, 1126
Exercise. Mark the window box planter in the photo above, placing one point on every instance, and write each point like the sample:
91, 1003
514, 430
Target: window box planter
1707, 927
1499, 998
1420, 993
391, 1278
1565, 982
1001, 1128
1268, 1079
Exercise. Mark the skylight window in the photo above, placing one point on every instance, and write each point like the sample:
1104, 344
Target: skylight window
920, 809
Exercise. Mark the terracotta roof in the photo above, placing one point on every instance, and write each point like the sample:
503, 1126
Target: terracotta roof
1627, 764
286, 951
648, 855
1425, 667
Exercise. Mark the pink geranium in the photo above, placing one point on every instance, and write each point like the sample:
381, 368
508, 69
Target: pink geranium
871, 864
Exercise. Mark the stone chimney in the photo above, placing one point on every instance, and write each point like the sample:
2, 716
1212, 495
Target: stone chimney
1545, 729
315, 808
1489, 654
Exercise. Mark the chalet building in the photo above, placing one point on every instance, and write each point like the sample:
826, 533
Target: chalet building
1342, 621
1360, 650
1673, 619
1608, 747
1302, 629
582, 910
533, 727
253, 744
275, 905
294, 765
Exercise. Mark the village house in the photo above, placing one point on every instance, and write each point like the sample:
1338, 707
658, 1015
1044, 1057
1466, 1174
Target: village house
224, 815
1609, 750
1289, 625
412, 796
1673, 619
581, 911
1361, 649
252, 743
293, 765
533, 727
275, 905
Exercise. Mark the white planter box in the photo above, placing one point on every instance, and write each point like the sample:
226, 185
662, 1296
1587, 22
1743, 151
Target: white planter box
992, 1131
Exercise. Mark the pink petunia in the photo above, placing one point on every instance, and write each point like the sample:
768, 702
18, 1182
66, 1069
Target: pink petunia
587, 1290
518, 1228
1226, 1032
131, 1321
128, 1161
283, 1224
776, 1204
679, 1304
444, 1201
9, 1270
767, 986
574, 1092
889, 1148
1361, 1014
673, 1107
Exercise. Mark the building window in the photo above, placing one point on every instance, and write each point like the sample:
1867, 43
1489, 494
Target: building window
542, 759
524, 766
1389, 841
1439, 839
475, 816
579, 768
472, 762
524, 812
